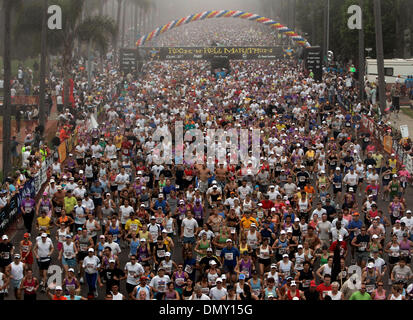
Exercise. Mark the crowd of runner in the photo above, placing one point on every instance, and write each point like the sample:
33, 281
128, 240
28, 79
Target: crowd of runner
322, 214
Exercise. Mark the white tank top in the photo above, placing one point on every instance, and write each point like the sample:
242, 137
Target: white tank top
303, 205
299, 260
395, 298
263, 252
169, 225
17, 270
326, 269
43, 248
62, 235
68, 250
212, 278
395, 250
252, 240
285, 267
90, 226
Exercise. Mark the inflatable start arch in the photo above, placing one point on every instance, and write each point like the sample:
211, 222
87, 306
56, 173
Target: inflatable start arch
224, 14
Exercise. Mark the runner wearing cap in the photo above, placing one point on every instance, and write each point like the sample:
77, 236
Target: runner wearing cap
43, 250
229, 258
133, 272
68, 253
58, 294
91, 265
142, 287
159, 283
16, 272
26, 251
71, 283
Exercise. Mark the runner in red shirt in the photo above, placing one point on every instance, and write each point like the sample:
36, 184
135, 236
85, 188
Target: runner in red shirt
324, 288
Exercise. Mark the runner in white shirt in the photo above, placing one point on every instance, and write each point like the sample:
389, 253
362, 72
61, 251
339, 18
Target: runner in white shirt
218, 292
133, 272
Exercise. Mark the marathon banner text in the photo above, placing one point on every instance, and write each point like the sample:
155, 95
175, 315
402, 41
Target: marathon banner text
207, 53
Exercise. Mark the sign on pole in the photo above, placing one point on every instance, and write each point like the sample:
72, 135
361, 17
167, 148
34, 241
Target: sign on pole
404, 129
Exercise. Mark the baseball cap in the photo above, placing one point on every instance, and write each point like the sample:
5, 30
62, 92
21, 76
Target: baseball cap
102, 236
375, 236
45, 193
143, 240
241, 276
17, 256
167, 254
338, 168
153, 218
91, 250
26, 235
293, 283
297, 219
52, 181
212, 262
285, 255
71, 270
356, 214
282, 232
44, 235
299, 246
408, 211
209, 250
58, 288
218, 280
229, 240
370, 265
273, 265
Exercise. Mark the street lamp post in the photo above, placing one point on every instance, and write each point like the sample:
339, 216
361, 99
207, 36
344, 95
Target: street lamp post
361, 54
42, 107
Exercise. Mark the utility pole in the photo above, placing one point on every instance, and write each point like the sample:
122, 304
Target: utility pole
328, 26
380, 55
361, 53
42, 107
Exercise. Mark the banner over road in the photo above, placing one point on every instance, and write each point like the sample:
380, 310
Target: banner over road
207, 53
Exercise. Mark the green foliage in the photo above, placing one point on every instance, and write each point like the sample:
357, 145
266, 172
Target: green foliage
396, 16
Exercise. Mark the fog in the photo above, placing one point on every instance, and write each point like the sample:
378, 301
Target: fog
176, 9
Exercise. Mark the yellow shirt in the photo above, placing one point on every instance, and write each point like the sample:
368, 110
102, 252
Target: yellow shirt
70, 203
134, 225
118, 141
310, 154
378, 157
246, 223
44, 224
392, 164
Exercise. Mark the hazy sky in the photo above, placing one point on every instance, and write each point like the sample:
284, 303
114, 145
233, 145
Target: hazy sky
176, 9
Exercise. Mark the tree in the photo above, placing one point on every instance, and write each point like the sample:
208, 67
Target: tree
97, 29
7, 11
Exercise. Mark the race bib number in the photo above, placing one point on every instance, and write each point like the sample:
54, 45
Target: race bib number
229, 256
188, 269
161, 253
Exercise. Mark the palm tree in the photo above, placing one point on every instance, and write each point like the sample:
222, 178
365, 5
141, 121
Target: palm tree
118, 28
97, 29
7, 10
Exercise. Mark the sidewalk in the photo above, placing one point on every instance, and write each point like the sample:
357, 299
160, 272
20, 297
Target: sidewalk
402, 119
